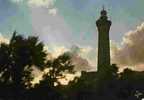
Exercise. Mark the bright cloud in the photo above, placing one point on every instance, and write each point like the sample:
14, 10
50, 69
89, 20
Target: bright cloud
53, 11
68, 78
131, 52
42, 3
58, 50
38, 3
81, 56
49, 4
3, 39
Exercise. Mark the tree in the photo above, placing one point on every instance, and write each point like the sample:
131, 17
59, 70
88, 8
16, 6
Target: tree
25, 53
58, 68
5, 63
18, 57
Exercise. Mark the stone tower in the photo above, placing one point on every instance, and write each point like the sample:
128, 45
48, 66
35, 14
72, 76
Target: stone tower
103, 26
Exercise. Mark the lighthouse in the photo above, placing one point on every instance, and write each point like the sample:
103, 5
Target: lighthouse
103, 26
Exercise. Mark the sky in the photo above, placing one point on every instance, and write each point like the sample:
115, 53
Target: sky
70, 25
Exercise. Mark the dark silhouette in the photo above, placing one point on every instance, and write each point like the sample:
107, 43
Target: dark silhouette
18, 57
110, 85
103, 26
16, 61
57, 68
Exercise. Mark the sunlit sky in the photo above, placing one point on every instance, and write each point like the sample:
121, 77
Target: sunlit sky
66, 23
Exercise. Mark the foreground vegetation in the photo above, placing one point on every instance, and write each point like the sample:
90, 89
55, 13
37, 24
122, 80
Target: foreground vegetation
16, 66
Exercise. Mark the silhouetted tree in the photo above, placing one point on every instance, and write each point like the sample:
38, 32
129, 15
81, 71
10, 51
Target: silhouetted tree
57, 67
5, 63
16, 61
25, 52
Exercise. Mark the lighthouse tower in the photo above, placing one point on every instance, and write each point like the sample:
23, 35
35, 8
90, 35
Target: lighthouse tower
103, 26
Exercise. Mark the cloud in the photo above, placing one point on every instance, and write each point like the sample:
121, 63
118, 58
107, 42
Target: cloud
50, 29
41, 3
3, 39
37, 3
131, 51
17, 1
80, 63
80, 58
53, 11
78, 55
56, 50
49, 4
